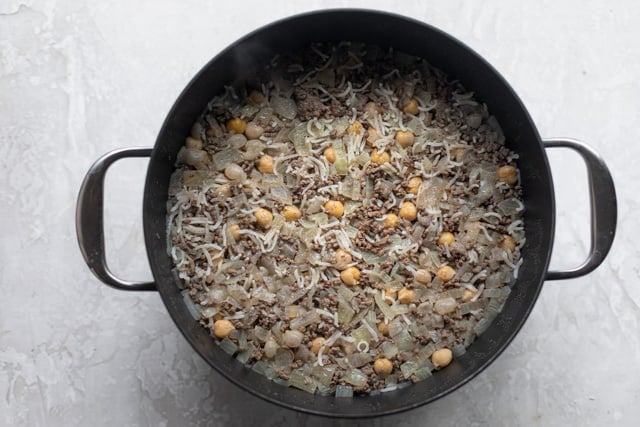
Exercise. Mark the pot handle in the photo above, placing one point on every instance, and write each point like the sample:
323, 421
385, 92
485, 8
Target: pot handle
90, 219
602, 199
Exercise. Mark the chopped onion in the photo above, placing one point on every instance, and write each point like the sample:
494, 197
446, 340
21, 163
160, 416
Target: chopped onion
284, 107
344, 391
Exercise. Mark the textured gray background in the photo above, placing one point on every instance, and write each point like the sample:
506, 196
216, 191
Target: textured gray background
77, 80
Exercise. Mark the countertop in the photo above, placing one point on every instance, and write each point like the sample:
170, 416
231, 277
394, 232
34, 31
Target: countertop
78, 79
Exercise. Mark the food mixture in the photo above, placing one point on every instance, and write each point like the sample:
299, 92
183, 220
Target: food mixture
348, 224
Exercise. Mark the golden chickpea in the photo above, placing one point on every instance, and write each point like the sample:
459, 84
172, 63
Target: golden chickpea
372, 136
191, 142
411, 107
441, 357
355, 128
457, 153
342, 257
413, 185
253, 130
316, 345
408, 211
223, 191
350, 276
334, 208
406, 296
265, 164
446, 238
445, 273
508, 174
508, 243
383, 328
391, 220
405, 138
236, 125
423, 276
380, 158
264, 218
468, 294
256, 97
222, 328
291, 213
383, 367
234, 231
330, 154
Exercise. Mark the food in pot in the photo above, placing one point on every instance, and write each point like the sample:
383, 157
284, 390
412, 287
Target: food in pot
349, 224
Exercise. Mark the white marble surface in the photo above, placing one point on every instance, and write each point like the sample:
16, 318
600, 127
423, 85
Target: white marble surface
78, 79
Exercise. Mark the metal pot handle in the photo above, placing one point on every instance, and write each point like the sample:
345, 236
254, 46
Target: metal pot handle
602, 199
90, 219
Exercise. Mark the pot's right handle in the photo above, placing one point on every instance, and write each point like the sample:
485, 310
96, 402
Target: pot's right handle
602, 198
90, 220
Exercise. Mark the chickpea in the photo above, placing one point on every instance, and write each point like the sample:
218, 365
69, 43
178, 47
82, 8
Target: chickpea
468, 294
413, 185
405, 138
508, 243
270, 348
406, 296
253, 130
350, 276
391, 220
408, 211
257, 97
292, 338
457, 153
380, 158
334, 208
383, 367
291, 213
234, 231
508, 174
342, 257
441, 357
372, 136
234, 172
223, 191
355, 128
316, 345
446, 238
445, 273
423, 276
236, 125
191, 142
264, 218
383, 328
265, 164
411, 107
330, 154
222, 328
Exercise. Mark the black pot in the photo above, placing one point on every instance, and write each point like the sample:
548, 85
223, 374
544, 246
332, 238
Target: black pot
237, 62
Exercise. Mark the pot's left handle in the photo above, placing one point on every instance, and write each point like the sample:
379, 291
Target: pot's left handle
90, 219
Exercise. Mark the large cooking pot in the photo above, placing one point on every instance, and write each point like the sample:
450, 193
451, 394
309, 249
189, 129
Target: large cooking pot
250, 53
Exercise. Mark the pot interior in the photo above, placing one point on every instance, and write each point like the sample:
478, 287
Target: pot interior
233, 67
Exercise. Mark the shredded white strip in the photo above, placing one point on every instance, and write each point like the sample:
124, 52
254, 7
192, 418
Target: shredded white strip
516, 270
363, 346
477, 295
